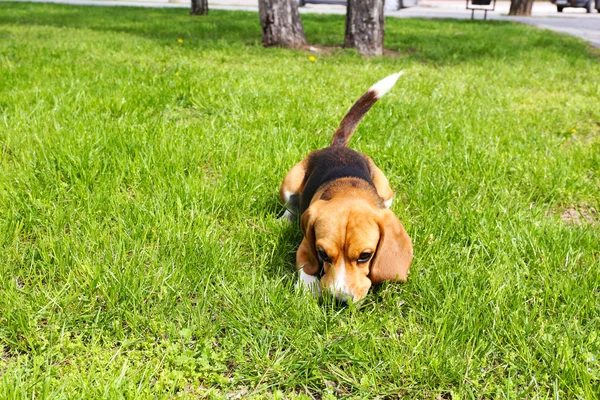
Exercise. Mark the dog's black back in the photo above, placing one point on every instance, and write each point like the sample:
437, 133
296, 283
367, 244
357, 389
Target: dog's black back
329, 164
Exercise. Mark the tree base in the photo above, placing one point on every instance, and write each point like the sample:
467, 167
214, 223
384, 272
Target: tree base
521, 8
199, 7
365, 26
281, 25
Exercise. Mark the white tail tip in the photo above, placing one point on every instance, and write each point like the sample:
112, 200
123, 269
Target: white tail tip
384, 85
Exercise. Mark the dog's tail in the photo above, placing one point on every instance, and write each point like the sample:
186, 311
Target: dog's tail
341, 137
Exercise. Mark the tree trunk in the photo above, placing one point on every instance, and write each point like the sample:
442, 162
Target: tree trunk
364, 26
199, 7
281, 25
520, 7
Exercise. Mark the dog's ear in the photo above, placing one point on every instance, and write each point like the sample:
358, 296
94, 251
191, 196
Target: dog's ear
306, 257
394, 251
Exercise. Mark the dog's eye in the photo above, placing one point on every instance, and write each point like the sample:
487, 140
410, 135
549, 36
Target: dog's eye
323, 256
364, 257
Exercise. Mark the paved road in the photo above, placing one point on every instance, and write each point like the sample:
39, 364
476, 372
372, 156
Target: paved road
573, 21
587, 29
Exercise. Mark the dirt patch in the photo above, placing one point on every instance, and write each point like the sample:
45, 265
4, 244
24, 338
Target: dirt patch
579, 216
394, 54
323, 50
329, 50
585, 137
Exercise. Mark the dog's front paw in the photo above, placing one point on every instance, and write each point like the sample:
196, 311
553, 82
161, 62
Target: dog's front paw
287, 216
310, 283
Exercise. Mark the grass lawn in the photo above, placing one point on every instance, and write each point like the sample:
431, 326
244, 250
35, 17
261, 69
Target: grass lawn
141, 257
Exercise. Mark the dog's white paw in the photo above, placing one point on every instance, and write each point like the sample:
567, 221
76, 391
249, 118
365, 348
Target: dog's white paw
287, 216
310, 283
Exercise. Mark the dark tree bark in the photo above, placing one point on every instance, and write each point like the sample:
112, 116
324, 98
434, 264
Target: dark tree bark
281, 25
365, 26
199, 7
520, 7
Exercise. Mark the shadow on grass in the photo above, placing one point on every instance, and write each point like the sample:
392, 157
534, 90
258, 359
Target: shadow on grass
286, 243
436, 41
161, 25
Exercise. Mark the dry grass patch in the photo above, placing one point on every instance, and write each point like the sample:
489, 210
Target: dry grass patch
579, 216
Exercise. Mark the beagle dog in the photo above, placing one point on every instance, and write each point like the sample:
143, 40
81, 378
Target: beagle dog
351, 238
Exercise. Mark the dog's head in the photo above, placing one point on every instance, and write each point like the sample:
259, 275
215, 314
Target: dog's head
357, 244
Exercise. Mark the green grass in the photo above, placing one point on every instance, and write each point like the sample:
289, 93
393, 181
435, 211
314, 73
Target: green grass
141, 257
